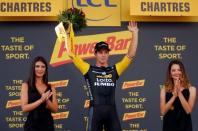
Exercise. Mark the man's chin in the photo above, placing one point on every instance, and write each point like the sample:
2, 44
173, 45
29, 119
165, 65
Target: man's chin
103, 62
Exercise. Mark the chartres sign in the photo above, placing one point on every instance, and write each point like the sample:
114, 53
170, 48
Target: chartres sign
30, 7
164, 7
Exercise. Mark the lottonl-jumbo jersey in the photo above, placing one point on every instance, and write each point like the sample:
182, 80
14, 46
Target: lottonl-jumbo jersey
101, 81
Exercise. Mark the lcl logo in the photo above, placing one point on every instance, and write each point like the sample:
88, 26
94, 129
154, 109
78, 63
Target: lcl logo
94, 4
91, 3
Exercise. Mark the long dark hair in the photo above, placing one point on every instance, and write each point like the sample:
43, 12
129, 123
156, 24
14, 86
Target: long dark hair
31, 78
169, 84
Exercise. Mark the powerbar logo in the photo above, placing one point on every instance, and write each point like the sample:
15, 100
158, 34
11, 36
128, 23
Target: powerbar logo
60, 115
13, 103
131, 84
61, 83
134, 115
118, 42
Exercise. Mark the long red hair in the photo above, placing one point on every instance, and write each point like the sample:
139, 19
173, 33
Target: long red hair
169, 84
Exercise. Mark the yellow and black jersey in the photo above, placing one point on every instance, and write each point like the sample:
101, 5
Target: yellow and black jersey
101, 81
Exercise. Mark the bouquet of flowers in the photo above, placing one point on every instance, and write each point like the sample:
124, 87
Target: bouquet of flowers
74, 16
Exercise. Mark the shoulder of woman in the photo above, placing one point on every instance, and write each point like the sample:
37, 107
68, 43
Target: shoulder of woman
192, 88
163, 90
163, 87
24, 84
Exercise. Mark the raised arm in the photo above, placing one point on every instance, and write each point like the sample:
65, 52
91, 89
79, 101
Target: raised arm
132, 27
124, 63
79, 63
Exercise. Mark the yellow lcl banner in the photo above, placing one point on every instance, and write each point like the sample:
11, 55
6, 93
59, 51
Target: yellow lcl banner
103, 12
